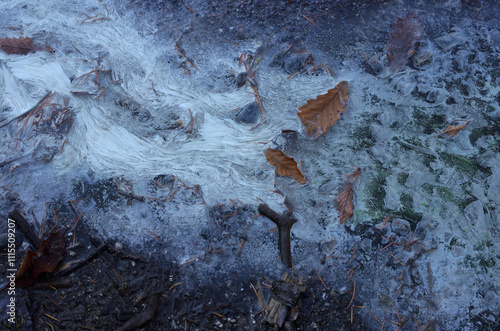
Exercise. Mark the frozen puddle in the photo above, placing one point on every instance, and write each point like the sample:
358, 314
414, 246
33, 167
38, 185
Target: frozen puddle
157, 111
221, 155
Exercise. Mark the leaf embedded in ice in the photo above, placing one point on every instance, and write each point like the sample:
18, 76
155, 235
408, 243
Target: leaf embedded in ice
319, 114
284, 165
452, 130
21, 45
345, 203
346, 206
403, 41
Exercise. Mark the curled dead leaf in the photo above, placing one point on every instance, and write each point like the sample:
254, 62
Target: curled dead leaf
317, 115
284, 165
452, 130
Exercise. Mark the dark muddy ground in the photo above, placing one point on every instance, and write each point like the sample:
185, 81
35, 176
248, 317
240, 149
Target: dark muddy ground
115, 290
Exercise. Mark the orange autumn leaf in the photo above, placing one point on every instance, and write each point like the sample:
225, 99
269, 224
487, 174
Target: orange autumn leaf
452, 130
319, 114
345, 203
284, 165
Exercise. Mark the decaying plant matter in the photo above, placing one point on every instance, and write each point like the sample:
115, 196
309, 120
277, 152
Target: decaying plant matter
345, 203
285, 165
48, 257
21, 45
403, 41
283, 307
453, 130
317, 115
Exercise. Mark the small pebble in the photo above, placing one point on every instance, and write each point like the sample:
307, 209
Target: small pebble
249, 114
422, 59
241, 79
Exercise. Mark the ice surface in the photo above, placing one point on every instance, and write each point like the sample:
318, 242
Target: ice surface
168, 129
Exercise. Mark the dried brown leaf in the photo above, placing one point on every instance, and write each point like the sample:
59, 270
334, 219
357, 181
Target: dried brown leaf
319, 114
49, 255
346, 206
452, 130
403, 41
21, 45
345, 203
284, 165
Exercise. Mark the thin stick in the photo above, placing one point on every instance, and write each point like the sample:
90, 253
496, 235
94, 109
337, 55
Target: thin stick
418, 328
226, 216
364, 56
375, 317
158, 183
293, 74
188, 261
350, 271
322, 282
76, 222
171, 287
397, 259
253, 287
57, 220
353, 292
171, 195
260, 311
51, 317
240, 249
307, 18
354, 252
100, 95
328, 71
70, 315
266, 278
192, 12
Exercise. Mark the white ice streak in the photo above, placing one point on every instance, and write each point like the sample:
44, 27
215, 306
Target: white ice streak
224, 157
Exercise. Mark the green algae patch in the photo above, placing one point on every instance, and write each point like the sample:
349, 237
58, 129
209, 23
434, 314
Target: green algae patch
466, 165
